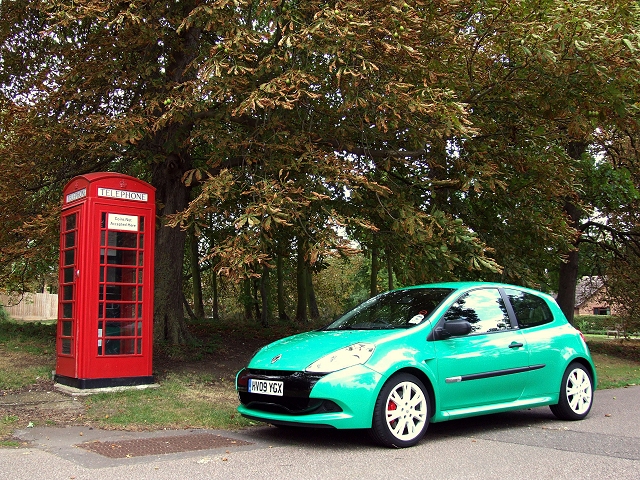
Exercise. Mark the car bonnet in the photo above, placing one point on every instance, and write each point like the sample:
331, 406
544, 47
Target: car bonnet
299, 351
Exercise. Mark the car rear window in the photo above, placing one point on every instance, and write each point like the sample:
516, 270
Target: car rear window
530, 310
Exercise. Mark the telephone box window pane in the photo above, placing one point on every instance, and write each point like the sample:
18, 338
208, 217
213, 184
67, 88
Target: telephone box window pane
101, 274
121, 329
122, 239
70, 222
112, 347
69, 257
120, 275
139, 310
128, 275
70, 240
139, 329
67, 292
66, 329
67, 310
100, 310
141, 241
120, 257
67, 275
66, 346
112, 256
113, 329
113, 310
103, 220
114, 292
100, 337
102, 238
128, 347
120, 310
139, 294
140, 258
127, 257
129, 310
139, 346
128, 293
142, 224
140, 276
114, 274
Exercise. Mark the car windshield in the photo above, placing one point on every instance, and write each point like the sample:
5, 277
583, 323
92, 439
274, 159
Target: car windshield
396, 309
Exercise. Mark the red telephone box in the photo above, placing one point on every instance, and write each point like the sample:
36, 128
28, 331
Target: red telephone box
105, 296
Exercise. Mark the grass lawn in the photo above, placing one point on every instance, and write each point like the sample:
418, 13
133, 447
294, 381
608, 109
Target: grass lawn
617, 360
196, 384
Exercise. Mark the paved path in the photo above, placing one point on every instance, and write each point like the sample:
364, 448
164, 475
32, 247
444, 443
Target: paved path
529, 444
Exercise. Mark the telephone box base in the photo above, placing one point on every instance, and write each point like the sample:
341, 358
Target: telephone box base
88, 383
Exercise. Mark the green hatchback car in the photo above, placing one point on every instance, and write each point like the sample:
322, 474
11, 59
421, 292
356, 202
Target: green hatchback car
428, 353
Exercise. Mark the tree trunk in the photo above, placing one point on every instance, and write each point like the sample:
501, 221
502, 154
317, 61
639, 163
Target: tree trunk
301, 284
247, 299
389, 268
282, 313
569, 271
194, 257
256, 303
373, 289
188, 308
172, 195
264, 297
567, 286
313, 304
215, 308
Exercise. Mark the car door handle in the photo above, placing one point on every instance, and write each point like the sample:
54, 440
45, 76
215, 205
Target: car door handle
516, 345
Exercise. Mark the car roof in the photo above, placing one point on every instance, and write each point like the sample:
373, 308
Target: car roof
467, 285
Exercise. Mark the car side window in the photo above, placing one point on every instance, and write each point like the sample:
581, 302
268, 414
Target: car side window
484, 309
530, 310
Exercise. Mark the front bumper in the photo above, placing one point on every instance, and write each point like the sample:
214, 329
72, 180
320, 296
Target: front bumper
342, 399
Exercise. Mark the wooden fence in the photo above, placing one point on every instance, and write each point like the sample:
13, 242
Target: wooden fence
31, 306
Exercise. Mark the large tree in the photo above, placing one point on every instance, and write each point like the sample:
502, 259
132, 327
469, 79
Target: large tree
426, 130
544, 81
274, 89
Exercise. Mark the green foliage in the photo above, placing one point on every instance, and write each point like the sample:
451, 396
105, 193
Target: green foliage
597, 324
623, 290
437, 133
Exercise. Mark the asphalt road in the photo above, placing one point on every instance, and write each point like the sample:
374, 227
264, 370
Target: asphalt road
529, 444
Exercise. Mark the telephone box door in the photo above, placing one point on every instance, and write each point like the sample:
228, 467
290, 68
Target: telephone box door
67, 332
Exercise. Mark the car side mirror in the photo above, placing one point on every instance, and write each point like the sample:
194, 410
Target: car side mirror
454, 328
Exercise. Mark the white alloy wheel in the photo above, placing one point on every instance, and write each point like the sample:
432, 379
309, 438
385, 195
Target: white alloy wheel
576, 394
401, 413
578, 391
406, 411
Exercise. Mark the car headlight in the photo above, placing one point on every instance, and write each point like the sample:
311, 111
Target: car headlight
356, 354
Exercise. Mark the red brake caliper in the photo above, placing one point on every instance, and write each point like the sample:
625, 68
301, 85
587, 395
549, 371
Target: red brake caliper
390, 407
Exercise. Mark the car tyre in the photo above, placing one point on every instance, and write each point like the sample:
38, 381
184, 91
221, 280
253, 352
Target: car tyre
401, 413
576, 394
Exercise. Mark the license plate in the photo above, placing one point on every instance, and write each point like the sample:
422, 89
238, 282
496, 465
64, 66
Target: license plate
266, 387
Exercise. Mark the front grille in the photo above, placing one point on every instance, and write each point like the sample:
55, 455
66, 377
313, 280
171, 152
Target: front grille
295, 399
